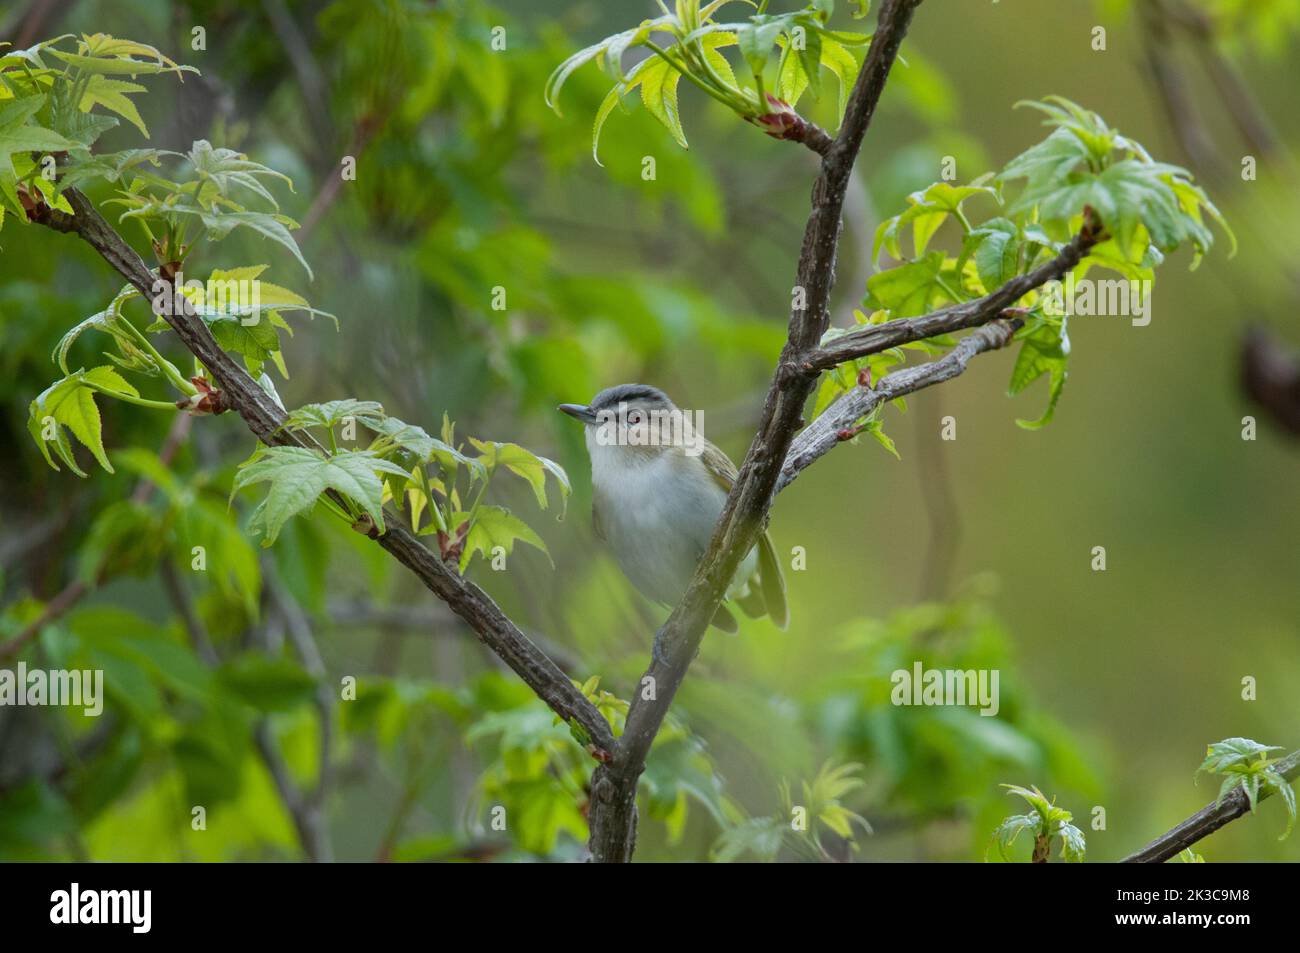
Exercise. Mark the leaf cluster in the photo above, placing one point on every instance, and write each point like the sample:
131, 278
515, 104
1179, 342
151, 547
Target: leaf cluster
1245, 764
782, 52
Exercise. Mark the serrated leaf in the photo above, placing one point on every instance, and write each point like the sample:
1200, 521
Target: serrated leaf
109, 321
332, 413
71, 404
299, 476
113, 94
1045, 352
525, 464
659, 95
495, 526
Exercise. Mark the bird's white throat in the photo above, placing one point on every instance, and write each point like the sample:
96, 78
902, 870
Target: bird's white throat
657, 511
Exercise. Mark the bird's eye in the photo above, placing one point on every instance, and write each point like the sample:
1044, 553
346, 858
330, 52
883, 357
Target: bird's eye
635, 417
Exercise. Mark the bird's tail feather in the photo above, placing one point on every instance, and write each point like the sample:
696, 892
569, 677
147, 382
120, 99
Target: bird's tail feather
771, 582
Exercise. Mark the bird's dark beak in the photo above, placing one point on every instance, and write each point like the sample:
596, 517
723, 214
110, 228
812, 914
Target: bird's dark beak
578, 412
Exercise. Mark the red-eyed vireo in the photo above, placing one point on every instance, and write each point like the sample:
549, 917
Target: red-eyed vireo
658, 488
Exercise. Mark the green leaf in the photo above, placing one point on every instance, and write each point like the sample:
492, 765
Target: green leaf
875, 428
1073, 845
111, 167
997, 256
837, 58
526, 464
299, 476
811, 57
332, 413
760, 836
1283, 789
71, 404
417, 441
757, 38
225, 168
19, 135
494, 526
659, 95
109, 321
1044, 351
269, 685
908, 289
232, 560
1233, 752
274, 227
612, 99
102, 54
112, 94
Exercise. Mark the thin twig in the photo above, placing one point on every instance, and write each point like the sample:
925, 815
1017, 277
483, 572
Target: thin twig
829, 429
1208, 819
875, 338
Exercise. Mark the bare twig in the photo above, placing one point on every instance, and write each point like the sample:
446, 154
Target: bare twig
179, 594
936, 487
311, 83
1208, 819
308, 821
1271, 376
828, 430
304, 645
1175, 92
25, 27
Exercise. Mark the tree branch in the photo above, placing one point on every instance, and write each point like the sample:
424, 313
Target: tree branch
1208, 819
1271, 377
264, 417
836, 423
881, 337
613, 802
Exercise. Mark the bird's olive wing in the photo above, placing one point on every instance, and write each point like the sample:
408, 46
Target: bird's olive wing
719, 466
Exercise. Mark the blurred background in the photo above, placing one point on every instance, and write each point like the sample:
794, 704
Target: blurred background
973, 553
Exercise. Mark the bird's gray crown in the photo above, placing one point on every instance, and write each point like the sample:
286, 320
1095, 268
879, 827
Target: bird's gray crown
611, 397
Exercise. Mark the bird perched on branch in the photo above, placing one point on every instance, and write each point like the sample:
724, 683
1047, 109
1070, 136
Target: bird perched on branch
658, 488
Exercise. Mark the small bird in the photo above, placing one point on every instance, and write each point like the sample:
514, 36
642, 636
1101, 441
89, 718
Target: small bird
658, 488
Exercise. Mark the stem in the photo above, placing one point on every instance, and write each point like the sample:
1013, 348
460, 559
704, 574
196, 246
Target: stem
662, 53
482, 491
958, 298
701, 57
131, 399
337, 510
169, 369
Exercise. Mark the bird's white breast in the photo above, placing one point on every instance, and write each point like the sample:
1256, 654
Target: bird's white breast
657, 513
